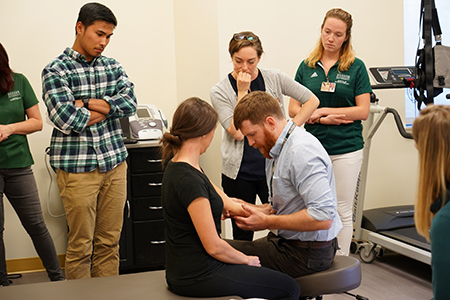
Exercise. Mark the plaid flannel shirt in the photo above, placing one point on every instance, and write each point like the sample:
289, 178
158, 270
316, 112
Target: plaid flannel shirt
74, 146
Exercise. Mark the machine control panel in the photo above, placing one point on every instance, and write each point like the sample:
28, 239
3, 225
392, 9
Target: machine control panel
148, 123
392, 74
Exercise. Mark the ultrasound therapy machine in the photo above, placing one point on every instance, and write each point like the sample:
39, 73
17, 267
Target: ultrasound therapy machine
149, 123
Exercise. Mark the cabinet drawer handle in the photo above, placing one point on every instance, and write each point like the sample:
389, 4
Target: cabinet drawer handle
157, 242
154, 160
155, 207
128, 209
155, 184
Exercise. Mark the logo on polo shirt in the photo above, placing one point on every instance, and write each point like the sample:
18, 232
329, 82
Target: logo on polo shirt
343, 78
314, 75
14, 95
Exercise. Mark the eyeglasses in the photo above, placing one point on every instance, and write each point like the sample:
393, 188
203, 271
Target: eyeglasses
239, 37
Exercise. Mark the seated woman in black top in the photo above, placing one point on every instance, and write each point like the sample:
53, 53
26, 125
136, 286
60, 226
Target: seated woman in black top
199, 262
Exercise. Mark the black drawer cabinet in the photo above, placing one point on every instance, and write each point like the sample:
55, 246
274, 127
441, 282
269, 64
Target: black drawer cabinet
149, 243
144, 185
142, 243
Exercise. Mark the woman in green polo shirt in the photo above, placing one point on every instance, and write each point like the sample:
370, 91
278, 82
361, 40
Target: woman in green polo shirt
340, 81
19, 116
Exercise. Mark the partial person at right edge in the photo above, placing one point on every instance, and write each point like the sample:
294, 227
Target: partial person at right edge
340, 81
243, 173
199, 262
301, 185
431, 133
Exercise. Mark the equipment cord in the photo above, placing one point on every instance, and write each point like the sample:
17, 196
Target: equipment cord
49, 170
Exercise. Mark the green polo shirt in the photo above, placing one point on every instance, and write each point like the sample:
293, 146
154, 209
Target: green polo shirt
344, 138
14, 151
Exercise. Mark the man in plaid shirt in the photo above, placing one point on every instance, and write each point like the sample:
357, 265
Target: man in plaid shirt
86, 94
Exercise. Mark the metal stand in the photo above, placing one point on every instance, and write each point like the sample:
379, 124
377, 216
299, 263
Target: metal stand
370, 244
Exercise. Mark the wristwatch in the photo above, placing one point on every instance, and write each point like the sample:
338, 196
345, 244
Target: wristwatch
86, 102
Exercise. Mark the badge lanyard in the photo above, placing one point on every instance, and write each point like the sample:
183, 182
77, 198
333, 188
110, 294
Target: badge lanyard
273, 164
327, 86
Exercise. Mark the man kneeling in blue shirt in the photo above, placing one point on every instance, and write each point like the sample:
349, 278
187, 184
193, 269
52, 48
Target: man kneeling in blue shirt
304, 222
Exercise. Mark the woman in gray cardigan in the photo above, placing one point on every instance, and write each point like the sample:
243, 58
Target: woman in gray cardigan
243, 167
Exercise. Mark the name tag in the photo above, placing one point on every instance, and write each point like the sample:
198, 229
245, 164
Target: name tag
328, 87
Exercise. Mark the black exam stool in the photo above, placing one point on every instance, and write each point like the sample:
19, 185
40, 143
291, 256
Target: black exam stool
343, 275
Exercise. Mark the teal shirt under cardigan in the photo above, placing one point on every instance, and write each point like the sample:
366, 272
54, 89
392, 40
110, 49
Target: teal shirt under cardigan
74, 146
344, 138
15, 151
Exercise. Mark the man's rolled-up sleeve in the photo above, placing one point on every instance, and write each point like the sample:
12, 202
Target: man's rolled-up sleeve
60, 102
123, 102
314, 187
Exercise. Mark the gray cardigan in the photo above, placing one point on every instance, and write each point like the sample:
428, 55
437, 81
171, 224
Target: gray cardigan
224, 100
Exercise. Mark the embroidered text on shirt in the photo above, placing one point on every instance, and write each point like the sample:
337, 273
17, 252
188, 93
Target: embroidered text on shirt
14, 95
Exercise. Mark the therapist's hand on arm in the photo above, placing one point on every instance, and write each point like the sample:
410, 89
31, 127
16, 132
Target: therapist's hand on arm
299, 221
265, 207
201, 215
231, 206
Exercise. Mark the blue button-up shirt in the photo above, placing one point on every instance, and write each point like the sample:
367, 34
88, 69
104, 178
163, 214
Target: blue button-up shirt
303, 179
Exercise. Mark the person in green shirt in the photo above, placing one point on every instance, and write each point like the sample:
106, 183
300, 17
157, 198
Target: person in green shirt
340, 81
431, 133
19, 116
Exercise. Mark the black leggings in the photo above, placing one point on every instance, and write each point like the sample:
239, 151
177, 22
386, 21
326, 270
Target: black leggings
247, 191
243, 281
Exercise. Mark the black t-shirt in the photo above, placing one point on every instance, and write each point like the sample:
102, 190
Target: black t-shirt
253, 162
187, 259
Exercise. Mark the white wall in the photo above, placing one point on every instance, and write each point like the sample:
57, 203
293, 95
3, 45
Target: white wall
35, 32
176, 49
289, 29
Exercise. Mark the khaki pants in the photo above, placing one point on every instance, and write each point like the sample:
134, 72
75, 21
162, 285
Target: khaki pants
94, 205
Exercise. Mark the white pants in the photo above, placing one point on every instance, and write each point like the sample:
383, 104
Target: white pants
346, 170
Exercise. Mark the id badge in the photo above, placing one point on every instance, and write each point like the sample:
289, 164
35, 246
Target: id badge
328, 87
